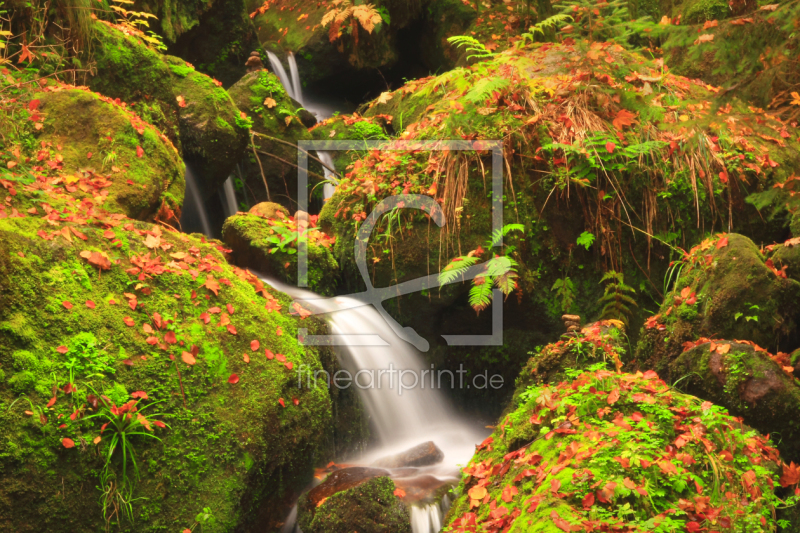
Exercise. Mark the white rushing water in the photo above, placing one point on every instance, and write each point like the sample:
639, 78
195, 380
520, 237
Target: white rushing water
401, 417
277, 68
298, 89
229, 198
328, 188
196, 208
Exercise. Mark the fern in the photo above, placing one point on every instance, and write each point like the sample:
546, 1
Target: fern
547, 24
480, 295
565, 292
498, 235
457, 267
617, 298
484, 89
472, 45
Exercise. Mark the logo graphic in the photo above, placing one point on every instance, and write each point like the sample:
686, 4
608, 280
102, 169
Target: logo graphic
376, 296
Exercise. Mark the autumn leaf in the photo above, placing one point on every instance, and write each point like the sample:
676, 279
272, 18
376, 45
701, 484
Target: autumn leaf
212, 285
610, 147
62, 349
67, 443
254, 345
139, 151
66, 305
169, 337
705, 38
97, 259
723, 348
152, 241
270, 103
477, 492
279, 331
613, 397
90, 304
128, 321
400, 493
791, 474
384, 98
588, 500
722, 243
623, 118
234, 379
710, 24
560, 523
140, 394
280, 401
188, 358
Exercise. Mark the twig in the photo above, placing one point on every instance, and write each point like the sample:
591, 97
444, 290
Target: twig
298, 148
180, 381
260, 166
288, 163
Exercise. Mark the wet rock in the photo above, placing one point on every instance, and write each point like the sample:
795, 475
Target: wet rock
424, 454
268, 209
749, 383
424, 488
343, 479
369, 506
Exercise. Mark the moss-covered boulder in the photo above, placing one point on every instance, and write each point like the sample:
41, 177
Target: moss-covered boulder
269, 244
368, 507
278, 127
608, 450
726, 289
103, 151
749, 382
189, 107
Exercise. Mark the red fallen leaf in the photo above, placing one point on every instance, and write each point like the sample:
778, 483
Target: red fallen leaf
246, 358
214, 310
159, 423
400, 493
205, 318
280, 401
289, 365
613, 397
509, 491
560, 523
623, 118
637, 416
140, 394
188, 358
295, 401
554, 486
62, 349
629, 484
254, 345
66, 305
280, 357
694, 527
588, 500
67, 443
147, 329
269, 354
90, 304
169, 337
279, 331
152, 341
610, 147
212, 285
132, 304
230, 309
128, 321
139, 151
723, 242
234, 379
127, 362
231, 329
52, 402
790, 475
33, 104
108, 234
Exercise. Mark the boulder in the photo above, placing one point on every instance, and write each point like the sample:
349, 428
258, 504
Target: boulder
367, 507
96, 147
269, 245
268, 210
424, 454
726, 290
340, 480
189, 107
749, 382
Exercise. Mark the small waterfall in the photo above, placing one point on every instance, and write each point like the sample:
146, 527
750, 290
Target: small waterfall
401, 419
277, 68
194, 210
298, 89
229, 196
329, 188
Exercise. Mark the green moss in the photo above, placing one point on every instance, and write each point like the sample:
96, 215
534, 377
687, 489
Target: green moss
702, 10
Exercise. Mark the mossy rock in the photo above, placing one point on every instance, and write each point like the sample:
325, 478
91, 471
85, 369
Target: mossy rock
578, 453
787, 256
235, 440
749, 384
731, 284
370, 507
249, 236
94, 135
281, 124
187, 106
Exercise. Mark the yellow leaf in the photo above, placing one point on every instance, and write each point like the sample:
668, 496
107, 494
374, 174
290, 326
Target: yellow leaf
288, 120
270, 103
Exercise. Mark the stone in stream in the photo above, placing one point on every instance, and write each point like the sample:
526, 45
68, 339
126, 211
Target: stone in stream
353, 499
425, 454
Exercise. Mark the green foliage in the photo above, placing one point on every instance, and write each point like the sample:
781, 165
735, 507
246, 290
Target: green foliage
550, 23
484, 88
474, 47
586, 239
616, 297
565, 293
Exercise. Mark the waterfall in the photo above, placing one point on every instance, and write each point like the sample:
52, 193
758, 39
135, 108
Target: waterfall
329, 188
401, 417
298, 89
194, 210
229, 196
277, 68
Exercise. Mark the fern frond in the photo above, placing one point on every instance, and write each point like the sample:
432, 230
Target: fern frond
546, 24
480, 295
500, 266
498, 235
456, 268
484, 89
506, 283
472, 45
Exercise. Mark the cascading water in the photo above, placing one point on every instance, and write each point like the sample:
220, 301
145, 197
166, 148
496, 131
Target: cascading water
328, 188
194, 216
298, 89
401, 416
277, 68
229, 197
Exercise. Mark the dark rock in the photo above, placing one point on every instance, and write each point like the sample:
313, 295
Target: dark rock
343, 479
424, 454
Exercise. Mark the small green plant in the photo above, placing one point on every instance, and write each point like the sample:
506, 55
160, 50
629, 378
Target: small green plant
617, 298
550, 23
751, 309
472, 45
586, 239
565, 293
500, 271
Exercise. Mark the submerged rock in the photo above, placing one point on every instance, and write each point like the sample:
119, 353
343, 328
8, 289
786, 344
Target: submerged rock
341, 480
424, 454
369, 506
